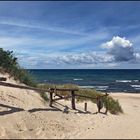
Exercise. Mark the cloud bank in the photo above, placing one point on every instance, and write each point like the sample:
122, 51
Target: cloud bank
114, 52
85, 58
118, 50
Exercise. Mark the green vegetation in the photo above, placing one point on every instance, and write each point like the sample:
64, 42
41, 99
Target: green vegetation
44, 96
112, 104
9, 64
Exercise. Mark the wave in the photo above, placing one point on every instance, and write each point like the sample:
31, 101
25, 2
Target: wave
77, 79
95, 87
126, 81
123, 81
136, 80
86, 86
135, 86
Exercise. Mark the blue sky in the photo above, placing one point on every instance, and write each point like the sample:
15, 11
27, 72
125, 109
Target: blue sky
90, 35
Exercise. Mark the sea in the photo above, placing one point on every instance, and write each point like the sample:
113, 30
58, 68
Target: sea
106, 80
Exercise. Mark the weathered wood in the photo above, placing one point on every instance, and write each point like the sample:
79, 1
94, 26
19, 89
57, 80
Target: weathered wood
58, 95
73, 100
23, 87
51, 99
85, 107
64, 89
99, 104
106, 106
33, 88
106, 110
91, 97
3, 79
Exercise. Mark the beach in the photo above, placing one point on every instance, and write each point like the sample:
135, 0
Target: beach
24, 114
69, 70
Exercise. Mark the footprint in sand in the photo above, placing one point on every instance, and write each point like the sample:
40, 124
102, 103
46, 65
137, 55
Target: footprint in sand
21, 126
2, 132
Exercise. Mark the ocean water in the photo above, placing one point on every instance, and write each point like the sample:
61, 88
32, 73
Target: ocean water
126, 80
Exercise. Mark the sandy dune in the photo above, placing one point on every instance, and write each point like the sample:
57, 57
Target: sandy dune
23, 114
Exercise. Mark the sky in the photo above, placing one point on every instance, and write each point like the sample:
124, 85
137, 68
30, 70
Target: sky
72, 34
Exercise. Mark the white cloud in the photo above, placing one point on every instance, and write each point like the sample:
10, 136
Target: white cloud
117, 41
120, 48
85, 58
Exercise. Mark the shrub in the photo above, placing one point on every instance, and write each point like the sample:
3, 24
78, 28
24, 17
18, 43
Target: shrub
113, 105
9, 64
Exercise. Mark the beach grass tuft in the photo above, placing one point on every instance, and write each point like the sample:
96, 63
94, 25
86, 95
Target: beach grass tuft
44, 96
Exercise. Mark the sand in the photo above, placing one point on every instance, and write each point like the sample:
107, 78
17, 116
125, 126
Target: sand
24, 114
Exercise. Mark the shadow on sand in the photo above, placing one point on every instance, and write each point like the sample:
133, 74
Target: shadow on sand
16, 109
82, 112
12, 109
44, 109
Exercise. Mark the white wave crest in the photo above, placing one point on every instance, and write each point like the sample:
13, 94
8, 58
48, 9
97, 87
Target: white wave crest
126, 81
77, 79
95, 87
123, 81
135, 86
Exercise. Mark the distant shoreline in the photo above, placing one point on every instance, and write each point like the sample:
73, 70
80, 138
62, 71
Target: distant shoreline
82, 69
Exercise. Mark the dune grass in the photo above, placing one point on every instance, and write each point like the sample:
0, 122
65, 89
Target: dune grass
44, 96
113, 105
9, 64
